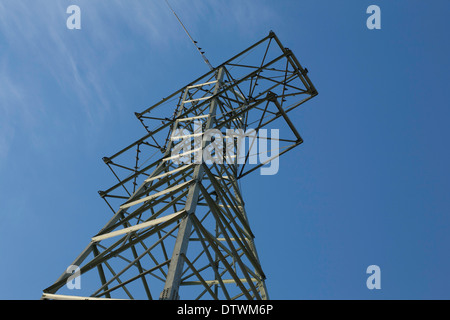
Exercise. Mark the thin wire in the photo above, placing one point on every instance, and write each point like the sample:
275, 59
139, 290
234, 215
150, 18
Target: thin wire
193, 41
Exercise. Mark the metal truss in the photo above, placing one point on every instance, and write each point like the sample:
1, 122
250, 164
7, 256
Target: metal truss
179, 229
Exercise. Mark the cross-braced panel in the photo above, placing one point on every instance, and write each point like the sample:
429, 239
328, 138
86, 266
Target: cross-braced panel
179, 227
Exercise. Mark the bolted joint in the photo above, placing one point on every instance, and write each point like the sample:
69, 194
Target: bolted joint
288, 52
138, 115
271, 96
102, 193
169, 294
106, 160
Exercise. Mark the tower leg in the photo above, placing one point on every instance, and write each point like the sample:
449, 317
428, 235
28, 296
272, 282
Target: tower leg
173, 280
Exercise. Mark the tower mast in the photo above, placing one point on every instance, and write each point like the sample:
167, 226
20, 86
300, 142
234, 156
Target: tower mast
179, 227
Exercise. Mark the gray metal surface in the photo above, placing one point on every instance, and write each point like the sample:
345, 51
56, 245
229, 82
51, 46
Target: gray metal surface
181, 230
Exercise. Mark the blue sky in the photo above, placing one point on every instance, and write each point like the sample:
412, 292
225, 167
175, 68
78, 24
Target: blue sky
368, 186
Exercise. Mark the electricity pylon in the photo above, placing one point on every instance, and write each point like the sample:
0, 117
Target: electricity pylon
179, 228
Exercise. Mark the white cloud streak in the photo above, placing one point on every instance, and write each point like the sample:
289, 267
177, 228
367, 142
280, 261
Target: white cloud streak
36, 45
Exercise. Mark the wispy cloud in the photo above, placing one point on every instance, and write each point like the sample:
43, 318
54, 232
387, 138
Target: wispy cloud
39, 54
42, 60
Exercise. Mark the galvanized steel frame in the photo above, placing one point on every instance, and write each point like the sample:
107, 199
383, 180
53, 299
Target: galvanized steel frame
177, 226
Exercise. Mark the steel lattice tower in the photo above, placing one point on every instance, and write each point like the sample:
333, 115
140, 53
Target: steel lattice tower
179, 229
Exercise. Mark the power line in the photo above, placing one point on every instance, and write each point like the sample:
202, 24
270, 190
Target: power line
202, 53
